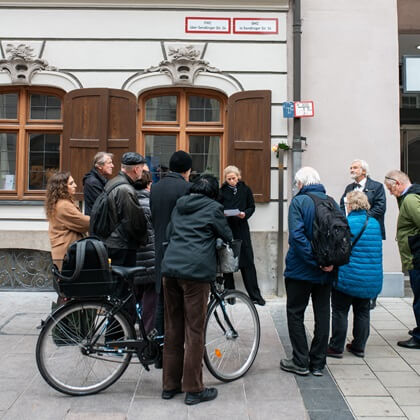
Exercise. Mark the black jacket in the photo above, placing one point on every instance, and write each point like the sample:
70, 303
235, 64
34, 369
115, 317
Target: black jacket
93, 185
376, 196
126, 214
145, 255
195, 224
163, 197
244, 201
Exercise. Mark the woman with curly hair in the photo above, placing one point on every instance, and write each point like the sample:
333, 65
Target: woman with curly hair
66, 222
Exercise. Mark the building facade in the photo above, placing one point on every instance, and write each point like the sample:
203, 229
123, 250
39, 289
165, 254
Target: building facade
211, 78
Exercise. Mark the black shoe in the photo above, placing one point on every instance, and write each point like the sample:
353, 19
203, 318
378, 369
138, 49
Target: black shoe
158, 363
412, 343
207, 394
167, 395
356, 352
260, 301
372, 304
334, 353
289, 366
317, 372
410, 332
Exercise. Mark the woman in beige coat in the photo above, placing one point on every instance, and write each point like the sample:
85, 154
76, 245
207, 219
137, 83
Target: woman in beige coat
66, 222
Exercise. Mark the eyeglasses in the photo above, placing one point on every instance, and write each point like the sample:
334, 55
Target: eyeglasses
391, 179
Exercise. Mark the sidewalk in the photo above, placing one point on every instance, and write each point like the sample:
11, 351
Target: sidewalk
386, 384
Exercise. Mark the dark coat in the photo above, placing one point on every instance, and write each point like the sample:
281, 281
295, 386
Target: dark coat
163, 197
244, 201
145, 255
196, 222
376, 196
127, 216
300, 261
93, 185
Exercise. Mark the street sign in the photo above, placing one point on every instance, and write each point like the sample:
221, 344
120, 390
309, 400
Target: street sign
288, 110
304, 109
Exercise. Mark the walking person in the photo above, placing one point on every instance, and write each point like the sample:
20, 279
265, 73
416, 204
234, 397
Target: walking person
188, 267
144, 283
237, 196
67, 223
163, 197
305, 279
358, 281
94, 181
408, 237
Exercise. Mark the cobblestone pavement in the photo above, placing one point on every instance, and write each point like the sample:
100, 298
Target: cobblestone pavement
385, 384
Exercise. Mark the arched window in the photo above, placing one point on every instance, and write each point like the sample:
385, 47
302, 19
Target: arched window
31, 125
189, 119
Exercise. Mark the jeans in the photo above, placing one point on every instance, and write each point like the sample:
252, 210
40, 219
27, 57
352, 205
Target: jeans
298, 294
340, 303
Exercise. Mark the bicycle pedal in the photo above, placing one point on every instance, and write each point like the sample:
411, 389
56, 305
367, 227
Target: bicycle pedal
152, 334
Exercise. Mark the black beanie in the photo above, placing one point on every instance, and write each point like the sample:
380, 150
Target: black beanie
180, 161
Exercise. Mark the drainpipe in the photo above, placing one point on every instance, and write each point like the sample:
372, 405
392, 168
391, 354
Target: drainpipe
296, 145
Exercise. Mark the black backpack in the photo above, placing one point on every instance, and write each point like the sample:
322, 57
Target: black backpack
101, 224
331, 236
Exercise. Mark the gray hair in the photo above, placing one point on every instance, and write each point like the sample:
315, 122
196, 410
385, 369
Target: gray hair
357, 200
395, 175
231, 169
364, 165
307, 176
100, 158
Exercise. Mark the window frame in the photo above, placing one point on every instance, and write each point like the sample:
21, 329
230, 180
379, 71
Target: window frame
183, 128
24, 126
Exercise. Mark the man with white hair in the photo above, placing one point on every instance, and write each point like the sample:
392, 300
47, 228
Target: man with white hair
359, 172
305, 278
408, 237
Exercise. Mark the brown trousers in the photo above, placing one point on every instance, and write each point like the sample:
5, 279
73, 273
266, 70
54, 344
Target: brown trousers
183, 350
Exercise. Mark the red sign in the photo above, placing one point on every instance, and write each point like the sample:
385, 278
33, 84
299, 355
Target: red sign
304, 109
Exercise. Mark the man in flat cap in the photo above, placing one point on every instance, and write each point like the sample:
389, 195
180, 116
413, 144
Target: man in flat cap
163, 197
130, 223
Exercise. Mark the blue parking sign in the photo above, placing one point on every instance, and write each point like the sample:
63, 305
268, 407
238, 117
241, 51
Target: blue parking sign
288, 110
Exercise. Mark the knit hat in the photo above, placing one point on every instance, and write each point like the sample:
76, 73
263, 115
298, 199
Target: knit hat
180, 161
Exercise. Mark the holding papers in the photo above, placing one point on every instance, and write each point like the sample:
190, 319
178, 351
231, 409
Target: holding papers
231, 212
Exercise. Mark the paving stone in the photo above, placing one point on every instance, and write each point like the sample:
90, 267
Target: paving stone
351, 371
416, 368
398, 379
412, 412
405, 395
374, 406
323, 399
387, 364
95, 416
273, 410
330, 414
174, 409
361, 387
387, 325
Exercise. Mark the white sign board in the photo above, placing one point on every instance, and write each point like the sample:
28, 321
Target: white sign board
304, 109
255, 26
207, 25
411, 74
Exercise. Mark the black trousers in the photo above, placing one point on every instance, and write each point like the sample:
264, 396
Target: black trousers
340, 303
249, 276
298, 294
415, 286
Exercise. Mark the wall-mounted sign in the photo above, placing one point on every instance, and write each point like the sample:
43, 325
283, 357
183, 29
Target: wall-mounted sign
411, 73
255, 26
288, 109
207, 25
304, 109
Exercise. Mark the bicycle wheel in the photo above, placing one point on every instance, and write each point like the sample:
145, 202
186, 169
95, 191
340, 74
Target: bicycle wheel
230, 352
72, 354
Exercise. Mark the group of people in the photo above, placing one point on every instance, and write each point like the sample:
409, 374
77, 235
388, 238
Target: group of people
356, 284
170, 227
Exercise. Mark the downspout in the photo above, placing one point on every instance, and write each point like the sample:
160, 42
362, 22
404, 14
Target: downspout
297, 143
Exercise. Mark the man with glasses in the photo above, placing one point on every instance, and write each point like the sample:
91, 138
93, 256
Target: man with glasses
408, 238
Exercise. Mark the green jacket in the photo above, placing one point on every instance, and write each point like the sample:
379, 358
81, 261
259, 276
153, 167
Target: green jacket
408, 223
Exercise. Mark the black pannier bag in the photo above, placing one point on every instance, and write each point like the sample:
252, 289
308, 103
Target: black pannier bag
331, 236
86, 271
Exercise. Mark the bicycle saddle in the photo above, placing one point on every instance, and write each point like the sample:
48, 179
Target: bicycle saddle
127, 272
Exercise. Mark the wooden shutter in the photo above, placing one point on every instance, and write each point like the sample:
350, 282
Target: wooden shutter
249, 141
96, 120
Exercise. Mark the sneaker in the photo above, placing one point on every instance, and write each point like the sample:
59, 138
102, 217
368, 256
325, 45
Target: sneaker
317, 372
334, 353
167, 395
289, 366
260, 301
207, 394
358, 353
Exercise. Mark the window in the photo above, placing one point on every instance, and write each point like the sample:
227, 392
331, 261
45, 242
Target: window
31, 125
189, 119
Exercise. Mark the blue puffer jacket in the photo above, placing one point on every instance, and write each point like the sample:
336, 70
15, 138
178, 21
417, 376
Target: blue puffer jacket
300, 262
362, 276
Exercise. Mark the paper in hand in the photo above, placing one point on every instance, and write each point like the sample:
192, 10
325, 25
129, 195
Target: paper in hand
231, 212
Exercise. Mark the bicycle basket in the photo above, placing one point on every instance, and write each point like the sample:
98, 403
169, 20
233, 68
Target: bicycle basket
228, 257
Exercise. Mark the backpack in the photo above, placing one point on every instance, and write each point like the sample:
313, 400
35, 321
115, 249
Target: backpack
331, 236
85, 271
100, 223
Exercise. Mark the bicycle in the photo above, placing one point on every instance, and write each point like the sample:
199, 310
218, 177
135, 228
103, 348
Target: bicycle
87, 344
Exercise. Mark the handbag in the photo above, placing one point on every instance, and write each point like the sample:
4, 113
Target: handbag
228, 255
